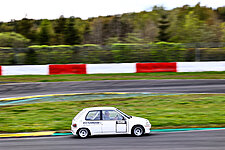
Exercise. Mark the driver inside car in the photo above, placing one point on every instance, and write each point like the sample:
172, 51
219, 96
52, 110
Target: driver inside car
106, 115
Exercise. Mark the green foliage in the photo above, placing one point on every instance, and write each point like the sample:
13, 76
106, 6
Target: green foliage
183, 24
25, 27
60, 27
193, 28
223, 32
12, 39
133, 38
31, 57
45, 33
114, 53
221, 12
71, 33
163, 26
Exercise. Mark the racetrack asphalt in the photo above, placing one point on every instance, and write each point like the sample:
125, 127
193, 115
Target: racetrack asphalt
157, 86
200, 140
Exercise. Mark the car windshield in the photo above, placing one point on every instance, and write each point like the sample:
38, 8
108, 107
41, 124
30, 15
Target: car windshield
124, 114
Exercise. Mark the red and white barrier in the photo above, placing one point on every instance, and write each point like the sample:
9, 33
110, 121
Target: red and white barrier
112, 68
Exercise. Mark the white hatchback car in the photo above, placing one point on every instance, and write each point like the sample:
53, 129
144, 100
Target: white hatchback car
108, 120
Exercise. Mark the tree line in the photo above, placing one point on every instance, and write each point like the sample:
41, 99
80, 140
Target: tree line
180, 25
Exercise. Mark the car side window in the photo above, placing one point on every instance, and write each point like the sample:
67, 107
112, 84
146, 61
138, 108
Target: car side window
111, 115
93, 115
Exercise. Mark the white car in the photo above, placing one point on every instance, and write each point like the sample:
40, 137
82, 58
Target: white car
108, 120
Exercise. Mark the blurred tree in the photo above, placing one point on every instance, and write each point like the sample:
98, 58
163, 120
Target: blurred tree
133, 38
97, 33
87, 33
71, 33
111, 28
12, 39
201, 12
176, 26
223, 32
59, 28
126, 27
196, 30
163, 25
193, 28
80, 26
46, 32
221, 13
145, 25
24, 26
7, 27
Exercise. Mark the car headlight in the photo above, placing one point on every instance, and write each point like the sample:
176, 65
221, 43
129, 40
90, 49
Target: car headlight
148, 124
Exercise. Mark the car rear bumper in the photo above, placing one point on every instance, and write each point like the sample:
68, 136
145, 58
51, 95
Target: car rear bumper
73, 130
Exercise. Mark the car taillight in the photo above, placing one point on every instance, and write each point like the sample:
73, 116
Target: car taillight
75, 125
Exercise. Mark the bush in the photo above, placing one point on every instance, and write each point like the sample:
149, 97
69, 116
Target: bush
115, 53
12, 39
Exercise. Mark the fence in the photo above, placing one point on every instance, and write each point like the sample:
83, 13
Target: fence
117, 53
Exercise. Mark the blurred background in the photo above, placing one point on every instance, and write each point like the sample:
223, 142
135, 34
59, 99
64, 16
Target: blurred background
187, 33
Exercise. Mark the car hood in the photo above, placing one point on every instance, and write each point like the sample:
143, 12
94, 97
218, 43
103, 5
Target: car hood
138, 119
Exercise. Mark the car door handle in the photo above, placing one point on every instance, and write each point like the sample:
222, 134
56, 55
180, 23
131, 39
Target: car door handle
120, 122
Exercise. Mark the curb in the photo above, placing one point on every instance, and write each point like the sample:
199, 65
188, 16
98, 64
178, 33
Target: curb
55, 133
36, 96
28, 134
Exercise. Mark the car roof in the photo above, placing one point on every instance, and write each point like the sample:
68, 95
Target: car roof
100, 108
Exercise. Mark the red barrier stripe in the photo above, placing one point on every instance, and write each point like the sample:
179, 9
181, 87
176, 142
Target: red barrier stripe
0, 70
156, 67
68, 69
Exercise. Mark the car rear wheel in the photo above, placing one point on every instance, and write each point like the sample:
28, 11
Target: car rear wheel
137, 131
83, 133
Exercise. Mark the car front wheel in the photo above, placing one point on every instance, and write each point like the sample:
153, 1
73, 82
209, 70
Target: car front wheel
137, 131
83, 133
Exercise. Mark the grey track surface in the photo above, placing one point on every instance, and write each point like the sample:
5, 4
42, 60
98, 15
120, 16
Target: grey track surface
164, 86
210, 140
202, 140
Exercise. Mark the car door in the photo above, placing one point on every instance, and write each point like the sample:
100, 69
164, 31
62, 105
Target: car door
93, 121
108, 121
113, 122
121, 123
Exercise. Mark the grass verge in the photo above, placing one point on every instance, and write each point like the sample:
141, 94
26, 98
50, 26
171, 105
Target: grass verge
172, 111
116, 76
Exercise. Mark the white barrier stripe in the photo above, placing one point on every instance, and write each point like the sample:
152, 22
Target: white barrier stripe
25, 70
111, 68
200, 66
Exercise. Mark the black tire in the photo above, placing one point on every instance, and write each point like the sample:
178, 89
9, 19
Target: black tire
83, 133
137, 131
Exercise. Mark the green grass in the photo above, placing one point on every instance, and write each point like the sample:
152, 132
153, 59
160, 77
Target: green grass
172, 111
117, 76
